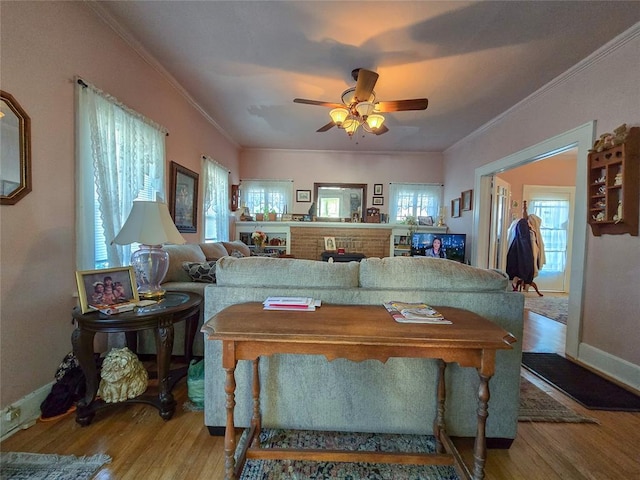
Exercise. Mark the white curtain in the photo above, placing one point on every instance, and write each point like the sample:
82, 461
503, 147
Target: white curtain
261, 195
120, 157
414, 200
216, 201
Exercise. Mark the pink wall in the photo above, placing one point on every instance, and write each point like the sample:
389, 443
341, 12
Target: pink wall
606, 89
306, 167
44, 44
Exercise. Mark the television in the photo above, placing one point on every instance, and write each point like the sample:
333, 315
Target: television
453, 244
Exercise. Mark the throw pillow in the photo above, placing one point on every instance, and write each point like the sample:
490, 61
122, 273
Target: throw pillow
237, 254
201, 272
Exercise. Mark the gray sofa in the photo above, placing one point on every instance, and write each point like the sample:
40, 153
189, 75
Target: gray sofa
345, 396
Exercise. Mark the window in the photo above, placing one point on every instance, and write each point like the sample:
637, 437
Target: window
216, 201
266, 195
120, 158
413, 200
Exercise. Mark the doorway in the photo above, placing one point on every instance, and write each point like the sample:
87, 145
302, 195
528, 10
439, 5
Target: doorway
580, 138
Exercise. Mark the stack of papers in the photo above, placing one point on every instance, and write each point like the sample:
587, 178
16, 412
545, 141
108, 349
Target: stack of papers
298, 304
404, 312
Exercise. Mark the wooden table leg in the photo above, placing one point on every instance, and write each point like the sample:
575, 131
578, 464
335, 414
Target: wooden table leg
439, 425
229, 364
480, 446
256, 419
190, 327
82, 342
164, 347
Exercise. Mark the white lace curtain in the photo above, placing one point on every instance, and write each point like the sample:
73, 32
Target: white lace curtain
414, 200
120, 158
216, 200
261, 195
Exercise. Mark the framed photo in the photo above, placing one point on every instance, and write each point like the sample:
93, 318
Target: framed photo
455, 207
108, 286
303, 195
427, 221
378, 200
377, 189
235, 190
330, 244
467, 198
183, 198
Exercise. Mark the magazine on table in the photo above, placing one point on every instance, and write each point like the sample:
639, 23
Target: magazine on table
115, 308
298, 304
409, 312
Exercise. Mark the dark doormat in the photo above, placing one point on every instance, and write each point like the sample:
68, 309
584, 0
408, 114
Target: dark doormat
584, 386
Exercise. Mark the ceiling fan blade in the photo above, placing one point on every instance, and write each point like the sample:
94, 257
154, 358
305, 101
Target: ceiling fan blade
364, 86
326, 127
317, 102
402, 105
381, 130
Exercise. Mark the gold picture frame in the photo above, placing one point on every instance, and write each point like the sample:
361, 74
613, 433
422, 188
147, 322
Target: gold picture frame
330, 244
88, 291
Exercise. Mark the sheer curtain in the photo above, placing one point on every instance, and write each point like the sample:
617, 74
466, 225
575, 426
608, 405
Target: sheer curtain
216, 200
259, 195
414, 200
120, 157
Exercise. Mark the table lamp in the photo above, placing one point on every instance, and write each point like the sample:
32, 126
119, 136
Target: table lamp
149, 224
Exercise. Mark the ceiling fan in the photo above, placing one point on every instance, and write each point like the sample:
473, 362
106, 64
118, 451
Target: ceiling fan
359, 106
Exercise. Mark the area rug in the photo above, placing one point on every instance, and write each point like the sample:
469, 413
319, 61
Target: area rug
584, 386
538, 406
299, 470
36, 466
555, 308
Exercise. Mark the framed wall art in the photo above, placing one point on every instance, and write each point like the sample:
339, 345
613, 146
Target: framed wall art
183, 198
455, 207
377, 189
330, 244
467, 198
108, 286
378, 200
303, 195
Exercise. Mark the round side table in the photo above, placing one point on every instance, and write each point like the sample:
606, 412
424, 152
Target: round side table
175, 307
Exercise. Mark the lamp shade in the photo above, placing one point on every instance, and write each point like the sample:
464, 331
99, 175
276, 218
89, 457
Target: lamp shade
338, 115
149, 223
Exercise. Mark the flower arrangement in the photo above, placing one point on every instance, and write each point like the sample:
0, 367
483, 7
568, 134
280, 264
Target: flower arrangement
259, 237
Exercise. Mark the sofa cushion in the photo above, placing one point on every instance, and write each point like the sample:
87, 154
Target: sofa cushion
214, 251
201, 272
285, 272
178, 254
237, 245
428, 274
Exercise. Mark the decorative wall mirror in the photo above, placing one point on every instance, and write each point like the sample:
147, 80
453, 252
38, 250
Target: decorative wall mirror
335, 201
15, 150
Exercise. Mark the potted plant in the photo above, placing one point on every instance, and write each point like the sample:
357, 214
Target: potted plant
272, 215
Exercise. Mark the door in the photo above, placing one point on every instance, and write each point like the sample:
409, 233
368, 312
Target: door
554, 205
500, 200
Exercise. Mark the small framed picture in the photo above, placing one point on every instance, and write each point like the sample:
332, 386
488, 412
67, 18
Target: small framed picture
330, 244
303, 195
183, 198
377, 189
467, 197
455, 207
108, 286
426, 221
378, 200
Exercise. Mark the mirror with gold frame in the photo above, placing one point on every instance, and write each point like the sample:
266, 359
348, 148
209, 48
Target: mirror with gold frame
15, 150
337, 201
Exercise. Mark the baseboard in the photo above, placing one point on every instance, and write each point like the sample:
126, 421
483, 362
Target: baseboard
616, 369
27, 412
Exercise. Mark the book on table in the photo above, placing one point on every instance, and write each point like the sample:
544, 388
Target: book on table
121, 307
414, 312
301, 304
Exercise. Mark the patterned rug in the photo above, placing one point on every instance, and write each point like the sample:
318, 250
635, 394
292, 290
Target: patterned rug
299, 470
538, 406
553, 307
36, 466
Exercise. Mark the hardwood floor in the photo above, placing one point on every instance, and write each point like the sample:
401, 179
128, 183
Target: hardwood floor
143, 445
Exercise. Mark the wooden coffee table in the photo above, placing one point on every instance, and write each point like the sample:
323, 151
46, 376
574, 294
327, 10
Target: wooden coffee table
356, 332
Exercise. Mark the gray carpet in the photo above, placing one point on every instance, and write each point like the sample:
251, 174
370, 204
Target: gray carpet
550, 306
36, 466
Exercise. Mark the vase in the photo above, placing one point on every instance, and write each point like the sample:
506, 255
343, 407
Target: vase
259, 247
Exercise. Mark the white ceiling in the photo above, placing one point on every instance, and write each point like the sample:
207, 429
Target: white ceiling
243, 62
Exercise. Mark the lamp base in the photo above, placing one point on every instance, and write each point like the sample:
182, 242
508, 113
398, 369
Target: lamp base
150, 264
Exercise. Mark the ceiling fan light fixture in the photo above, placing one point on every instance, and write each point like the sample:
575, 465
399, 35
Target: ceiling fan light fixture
339, 115
365, 109
351, 125
375, 121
